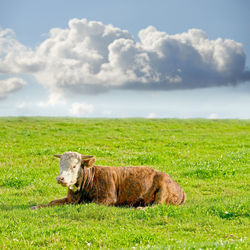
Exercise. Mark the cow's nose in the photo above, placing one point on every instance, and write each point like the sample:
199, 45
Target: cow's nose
59, 179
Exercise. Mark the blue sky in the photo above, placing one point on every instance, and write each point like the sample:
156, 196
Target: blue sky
182, 59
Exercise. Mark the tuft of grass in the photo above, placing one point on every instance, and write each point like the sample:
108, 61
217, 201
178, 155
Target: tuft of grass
209, 158
15, 182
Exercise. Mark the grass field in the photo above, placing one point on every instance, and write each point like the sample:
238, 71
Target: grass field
209, 158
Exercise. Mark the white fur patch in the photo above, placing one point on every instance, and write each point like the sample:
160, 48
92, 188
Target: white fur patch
70, 164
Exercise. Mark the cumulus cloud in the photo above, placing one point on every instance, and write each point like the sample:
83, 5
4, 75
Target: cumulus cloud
15, 57
54, 99
79, 109
89, 57
213, 116
10, 85
151, 115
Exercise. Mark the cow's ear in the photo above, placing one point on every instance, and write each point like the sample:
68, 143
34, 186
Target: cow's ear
88, 160
86, 157
58, 156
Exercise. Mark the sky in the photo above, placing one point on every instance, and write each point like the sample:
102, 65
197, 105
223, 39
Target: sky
133, 58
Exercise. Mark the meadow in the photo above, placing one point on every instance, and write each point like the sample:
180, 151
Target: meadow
208, 158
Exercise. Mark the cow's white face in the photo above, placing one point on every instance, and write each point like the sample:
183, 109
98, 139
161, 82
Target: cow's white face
70, 164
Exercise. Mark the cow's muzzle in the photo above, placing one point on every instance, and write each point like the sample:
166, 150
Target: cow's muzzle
60, 180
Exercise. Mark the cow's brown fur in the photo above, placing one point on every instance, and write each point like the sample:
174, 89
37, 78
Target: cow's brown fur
123, 186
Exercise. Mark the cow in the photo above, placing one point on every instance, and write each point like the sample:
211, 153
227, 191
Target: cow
113, 186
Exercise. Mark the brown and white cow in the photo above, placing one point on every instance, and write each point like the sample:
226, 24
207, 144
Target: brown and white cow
118, 186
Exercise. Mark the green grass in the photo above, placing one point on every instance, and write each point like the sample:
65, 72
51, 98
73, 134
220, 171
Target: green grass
209, 158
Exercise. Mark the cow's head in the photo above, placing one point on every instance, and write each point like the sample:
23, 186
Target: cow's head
70, 165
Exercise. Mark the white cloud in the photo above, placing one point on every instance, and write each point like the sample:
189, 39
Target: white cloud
15, 57
79, 109
90, 57
54, 99
10, 85
213, 116
151, 115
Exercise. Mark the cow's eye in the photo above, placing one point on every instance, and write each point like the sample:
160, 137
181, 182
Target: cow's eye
74, 166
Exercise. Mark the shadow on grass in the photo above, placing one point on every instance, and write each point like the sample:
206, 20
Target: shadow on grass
14, 207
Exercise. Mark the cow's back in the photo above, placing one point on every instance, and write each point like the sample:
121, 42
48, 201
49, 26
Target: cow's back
135, 186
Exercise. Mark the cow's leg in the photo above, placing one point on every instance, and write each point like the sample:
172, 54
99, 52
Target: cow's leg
53, 203
108, 198
106, 201
161, 193
58, 202
169, 192
157, 192
160, 196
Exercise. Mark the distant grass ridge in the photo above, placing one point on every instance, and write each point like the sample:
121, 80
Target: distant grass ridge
209, 158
